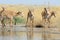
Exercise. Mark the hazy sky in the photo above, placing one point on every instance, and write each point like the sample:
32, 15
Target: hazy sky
31, 2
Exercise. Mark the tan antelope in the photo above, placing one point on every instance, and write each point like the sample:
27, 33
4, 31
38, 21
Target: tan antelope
47, 15
1, 17
44, 14
8, 14
30, 17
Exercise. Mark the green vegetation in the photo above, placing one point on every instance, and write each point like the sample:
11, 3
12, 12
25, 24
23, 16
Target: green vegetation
18, 20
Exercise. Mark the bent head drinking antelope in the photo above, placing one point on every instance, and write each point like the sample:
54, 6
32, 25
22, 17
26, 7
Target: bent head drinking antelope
8, 14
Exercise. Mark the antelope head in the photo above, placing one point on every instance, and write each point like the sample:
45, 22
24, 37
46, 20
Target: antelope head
19, 13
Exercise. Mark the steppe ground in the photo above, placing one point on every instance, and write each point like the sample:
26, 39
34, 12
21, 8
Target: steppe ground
36, 10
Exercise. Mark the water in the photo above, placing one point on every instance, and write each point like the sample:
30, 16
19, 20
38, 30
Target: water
21, 36
20, 33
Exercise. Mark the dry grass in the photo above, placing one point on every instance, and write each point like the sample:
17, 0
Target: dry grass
37, 13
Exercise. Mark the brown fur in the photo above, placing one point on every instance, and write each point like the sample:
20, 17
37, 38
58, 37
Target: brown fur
9, 15
30, 16
46, 16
